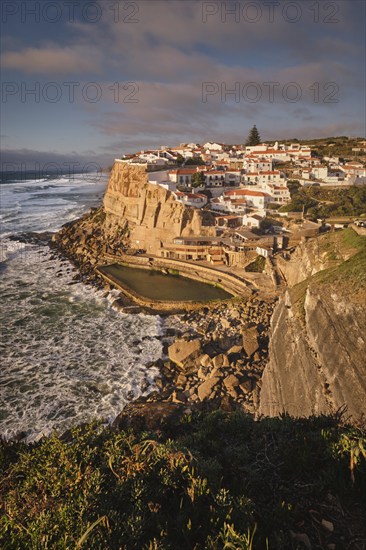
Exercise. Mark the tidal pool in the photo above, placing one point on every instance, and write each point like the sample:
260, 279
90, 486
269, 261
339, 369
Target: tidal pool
155, 285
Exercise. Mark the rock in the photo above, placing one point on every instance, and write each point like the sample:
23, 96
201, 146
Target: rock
250, 340
328, 525
233, 393
246, 386
220, 360
217, 372
178, 397
205, 389
181, 380
235, 349
204, 360
235, 314
231, 381
225, 323
183, 350
203, 372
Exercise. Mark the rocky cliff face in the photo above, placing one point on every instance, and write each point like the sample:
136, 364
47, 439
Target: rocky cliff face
313, 256
317, 352
134, 214
316, 365
151, 213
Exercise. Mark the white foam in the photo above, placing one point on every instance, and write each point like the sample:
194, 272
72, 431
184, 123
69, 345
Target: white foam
68, 356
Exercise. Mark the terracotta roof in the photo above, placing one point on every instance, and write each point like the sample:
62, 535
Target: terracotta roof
229, 217
195, 196
246, 192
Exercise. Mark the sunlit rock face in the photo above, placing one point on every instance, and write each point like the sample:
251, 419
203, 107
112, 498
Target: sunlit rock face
154, 218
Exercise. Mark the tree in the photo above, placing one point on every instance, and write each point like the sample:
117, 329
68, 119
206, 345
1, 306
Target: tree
198, 179
197, 161
254, 138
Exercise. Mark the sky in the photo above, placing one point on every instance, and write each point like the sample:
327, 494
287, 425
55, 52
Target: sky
86, 81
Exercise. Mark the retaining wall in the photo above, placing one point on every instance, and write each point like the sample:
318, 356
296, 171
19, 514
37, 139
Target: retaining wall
237, 286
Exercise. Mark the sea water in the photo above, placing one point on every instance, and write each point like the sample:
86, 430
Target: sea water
67, 356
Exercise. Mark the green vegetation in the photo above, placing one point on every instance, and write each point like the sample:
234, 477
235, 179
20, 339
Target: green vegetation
222, 481
340, 146
196, 161
319, 202
348, 275
257, 266
253, 138
198, 179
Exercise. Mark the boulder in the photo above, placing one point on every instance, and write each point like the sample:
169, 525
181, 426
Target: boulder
220, 360
250, 340
235, 349
246, 386
231, 381
225, 323
217, 372
203, 372
204, 360
204, 390
181, 380
182, 351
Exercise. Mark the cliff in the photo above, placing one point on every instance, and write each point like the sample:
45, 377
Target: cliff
315, 255
317, 340
152, 215
134, 214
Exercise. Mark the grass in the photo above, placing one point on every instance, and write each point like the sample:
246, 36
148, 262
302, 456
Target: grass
257, 266
221, 481
346, 276
321, 202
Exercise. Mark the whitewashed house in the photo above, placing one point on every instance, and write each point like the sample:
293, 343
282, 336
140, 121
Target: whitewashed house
196, 200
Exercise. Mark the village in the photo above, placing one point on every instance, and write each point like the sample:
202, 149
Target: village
241, 189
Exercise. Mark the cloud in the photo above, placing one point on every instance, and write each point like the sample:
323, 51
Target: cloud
53, 60
171, 51
28, 159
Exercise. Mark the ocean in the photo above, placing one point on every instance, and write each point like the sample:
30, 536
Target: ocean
67, 356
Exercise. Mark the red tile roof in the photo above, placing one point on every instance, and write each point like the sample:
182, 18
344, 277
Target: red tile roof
246, 192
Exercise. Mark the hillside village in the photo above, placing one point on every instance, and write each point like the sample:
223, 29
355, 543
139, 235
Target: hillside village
242, 189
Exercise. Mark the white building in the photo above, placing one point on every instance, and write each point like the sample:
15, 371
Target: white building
262, 177
232, 205
191, 199
256, 199
212, 146
320, 172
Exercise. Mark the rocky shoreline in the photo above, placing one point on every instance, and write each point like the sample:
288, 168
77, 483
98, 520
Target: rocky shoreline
217, 356
219, 360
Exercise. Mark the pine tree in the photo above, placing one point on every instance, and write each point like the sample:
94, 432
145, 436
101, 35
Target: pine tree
254, 138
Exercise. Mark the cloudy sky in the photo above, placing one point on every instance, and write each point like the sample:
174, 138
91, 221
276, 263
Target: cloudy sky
84, 81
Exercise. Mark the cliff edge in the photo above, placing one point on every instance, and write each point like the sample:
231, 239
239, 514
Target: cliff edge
153, 216
135, 214
317, 352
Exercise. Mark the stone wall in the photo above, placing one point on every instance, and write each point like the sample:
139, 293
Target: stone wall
237, 286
